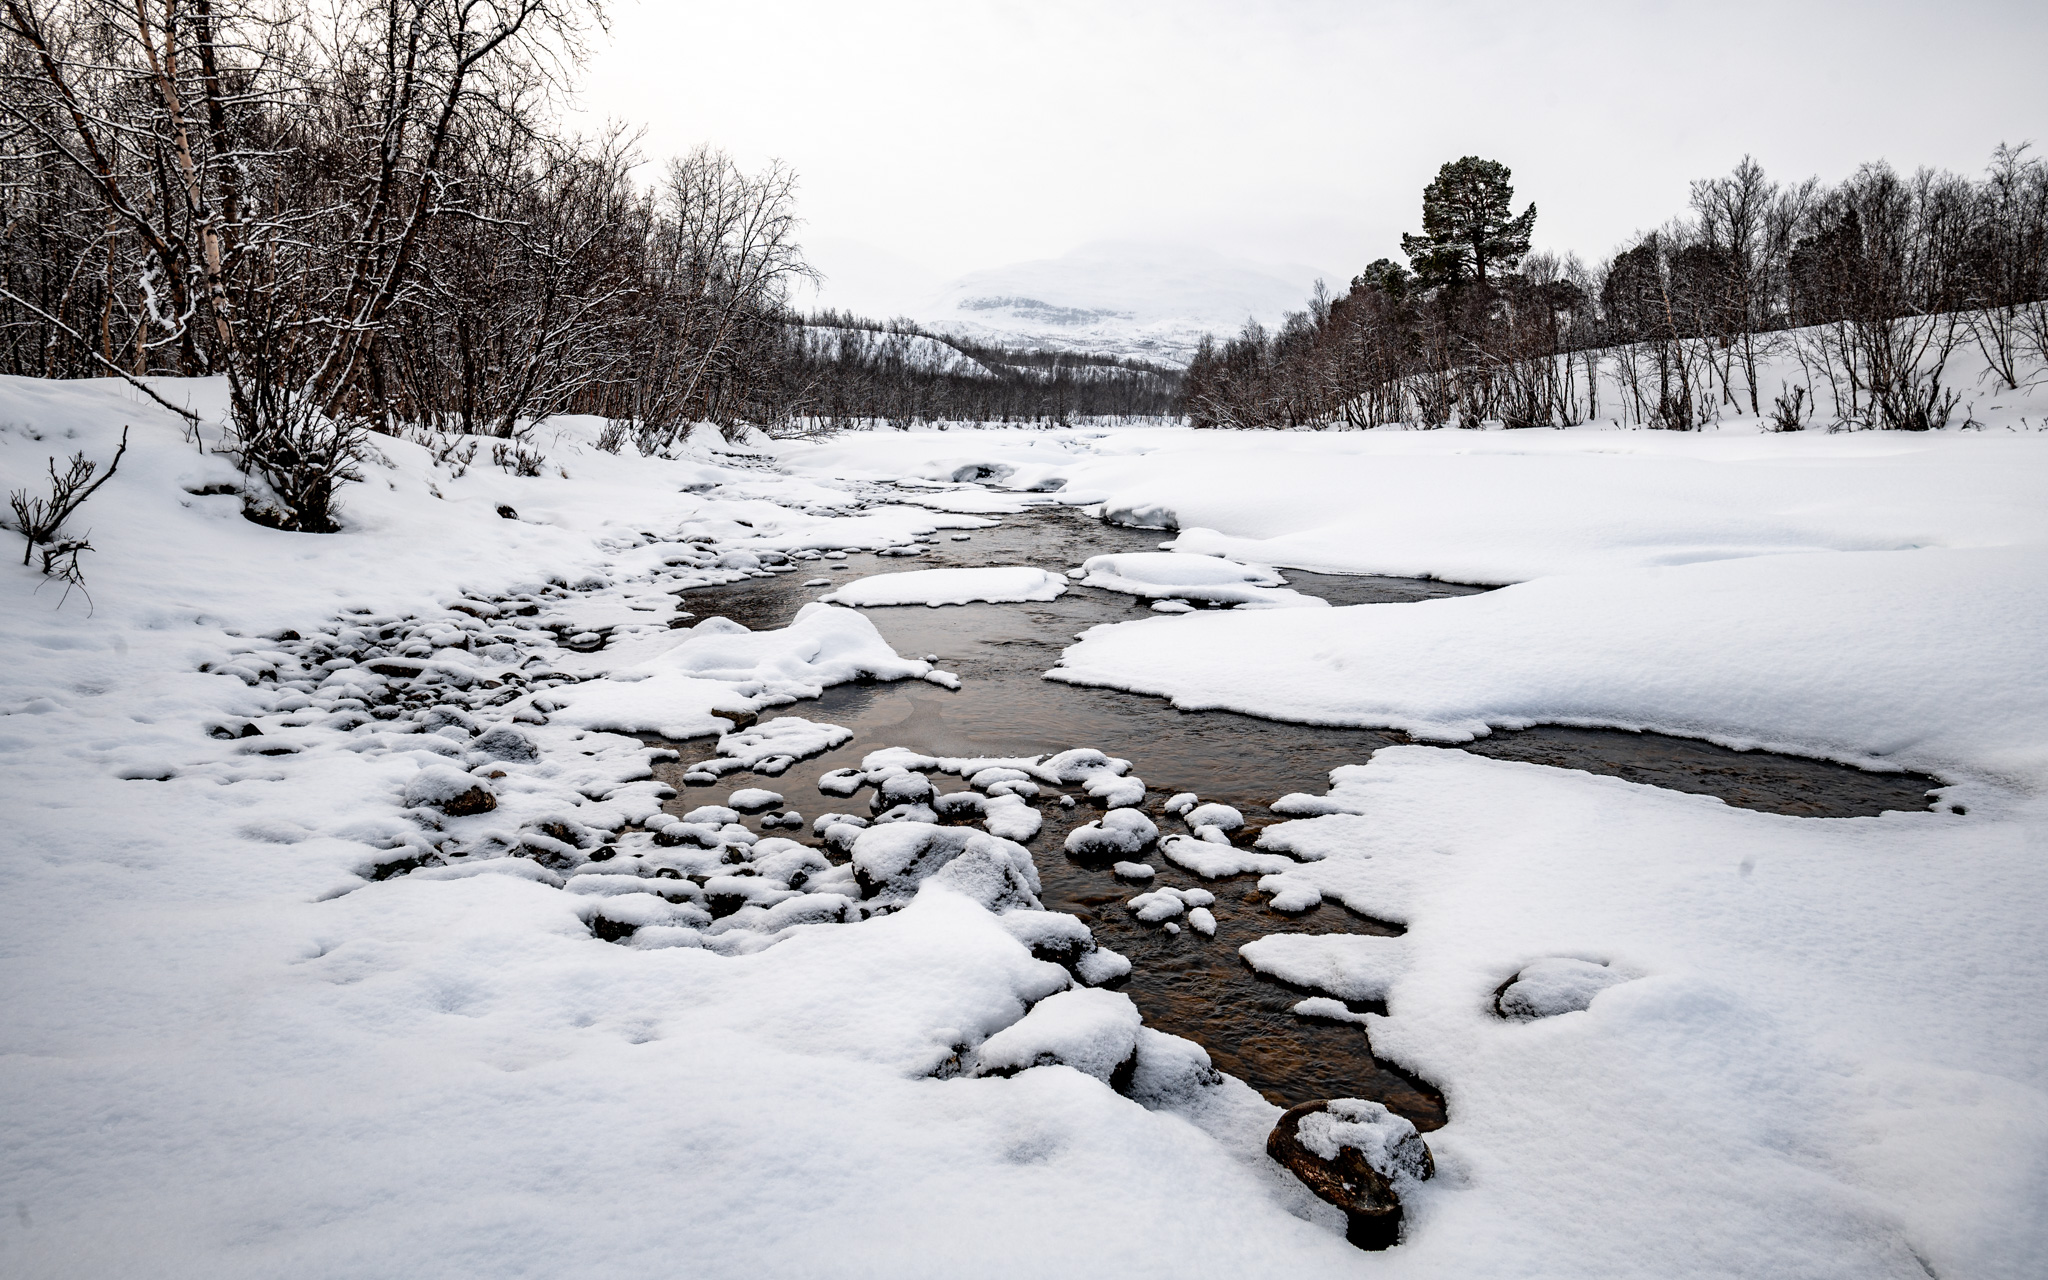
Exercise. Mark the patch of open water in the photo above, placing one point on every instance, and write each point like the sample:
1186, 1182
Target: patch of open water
1187, 984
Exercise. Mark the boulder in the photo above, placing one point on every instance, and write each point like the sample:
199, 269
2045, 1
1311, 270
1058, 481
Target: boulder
1358, 1156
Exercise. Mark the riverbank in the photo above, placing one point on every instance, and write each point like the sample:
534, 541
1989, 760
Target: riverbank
231, 1051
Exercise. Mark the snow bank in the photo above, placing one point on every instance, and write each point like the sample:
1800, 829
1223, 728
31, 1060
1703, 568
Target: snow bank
1921, 659
1826, 1025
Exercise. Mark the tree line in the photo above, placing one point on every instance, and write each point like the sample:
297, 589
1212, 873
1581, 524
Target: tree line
845, 371
366, 218
1868, 287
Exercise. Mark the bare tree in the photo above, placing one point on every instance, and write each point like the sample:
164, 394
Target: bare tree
2008, 263
278, 177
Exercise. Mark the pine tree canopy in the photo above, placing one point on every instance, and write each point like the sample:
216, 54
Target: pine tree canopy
1468, 224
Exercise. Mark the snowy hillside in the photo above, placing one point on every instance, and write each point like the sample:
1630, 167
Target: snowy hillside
913, 351
1117, 298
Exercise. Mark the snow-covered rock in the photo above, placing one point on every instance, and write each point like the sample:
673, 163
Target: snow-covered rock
1118, 833
1559, 984
1095, 1032
891, 860
451, 791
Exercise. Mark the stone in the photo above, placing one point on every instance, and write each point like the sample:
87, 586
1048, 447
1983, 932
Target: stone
1353, 1153
473, 801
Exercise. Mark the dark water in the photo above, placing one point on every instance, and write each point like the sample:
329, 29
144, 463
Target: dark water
1187, 984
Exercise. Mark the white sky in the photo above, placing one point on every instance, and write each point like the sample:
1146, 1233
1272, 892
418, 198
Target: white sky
972, 133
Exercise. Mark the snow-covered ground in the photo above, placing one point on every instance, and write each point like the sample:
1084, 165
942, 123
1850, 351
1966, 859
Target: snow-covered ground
230, 1051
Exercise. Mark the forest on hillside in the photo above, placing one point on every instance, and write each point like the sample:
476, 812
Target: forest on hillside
367, 218
1863, 290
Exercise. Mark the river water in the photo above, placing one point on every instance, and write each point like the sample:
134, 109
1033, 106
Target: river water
1187, 984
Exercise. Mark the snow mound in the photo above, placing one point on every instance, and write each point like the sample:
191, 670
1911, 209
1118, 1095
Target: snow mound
1011, 818
998, 585
1077, 765
1326, 1009
1065, 940
753, 799
1220, 816
1162, 575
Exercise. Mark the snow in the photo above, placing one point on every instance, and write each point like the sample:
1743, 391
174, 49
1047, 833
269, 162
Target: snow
1011, 818
935, 587
1849, 674
1078, 765
719, 664
1164, 575
773, 745
442, 787
1327, 1009
1214, 860
1221, 816
1767, 1045
892, 860
1556, 985
1113, 792
1292, 894
753, 799
1166, 902
1118, 832
1347, 966
1091, 1031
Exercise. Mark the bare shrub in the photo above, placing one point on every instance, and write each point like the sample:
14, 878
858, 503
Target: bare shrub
40, 519
1787, 410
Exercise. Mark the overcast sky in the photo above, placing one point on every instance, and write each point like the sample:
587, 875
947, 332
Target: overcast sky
973, 133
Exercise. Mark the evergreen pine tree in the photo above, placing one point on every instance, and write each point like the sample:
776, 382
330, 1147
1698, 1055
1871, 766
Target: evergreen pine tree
1468, 224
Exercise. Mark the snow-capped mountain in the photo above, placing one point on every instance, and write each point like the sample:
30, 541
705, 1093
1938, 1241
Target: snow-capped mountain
1149, 301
